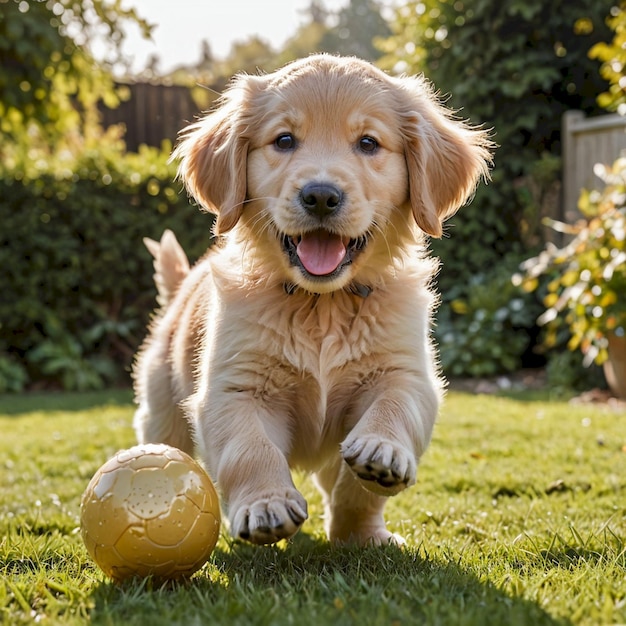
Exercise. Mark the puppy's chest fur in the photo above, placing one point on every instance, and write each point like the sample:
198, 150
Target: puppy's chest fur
319, 334
313, 357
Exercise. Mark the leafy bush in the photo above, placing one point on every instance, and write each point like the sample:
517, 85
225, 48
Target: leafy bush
76, 276
13, 375
565, 372
483, 327
588, 275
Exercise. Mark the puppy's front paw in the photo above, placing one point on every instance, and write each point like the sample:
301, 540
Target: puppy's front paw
269, 518
385, 467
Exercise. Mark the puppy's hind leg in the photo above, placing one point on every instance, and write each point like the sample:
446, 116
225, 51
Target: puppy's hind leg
352, 513
166, 425
159, 418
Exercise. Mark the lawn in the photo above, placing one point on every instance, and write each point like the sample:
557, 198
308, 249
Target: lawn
518, 517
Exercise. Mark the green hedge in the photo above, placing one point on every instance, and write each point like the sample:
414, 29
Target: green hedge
76, 278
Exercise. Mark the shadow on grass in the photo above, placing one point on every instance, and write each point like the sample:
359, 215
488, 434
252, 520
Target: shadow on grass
312, 582
18, 404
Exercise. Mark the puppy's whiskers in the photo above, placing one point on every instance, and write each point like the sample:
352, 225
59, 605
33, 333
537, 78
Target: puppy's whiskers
241, 205
264, 220
210, 89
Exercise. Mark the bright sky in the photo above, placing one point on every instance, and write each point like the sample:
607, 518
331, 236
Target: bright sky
181, 26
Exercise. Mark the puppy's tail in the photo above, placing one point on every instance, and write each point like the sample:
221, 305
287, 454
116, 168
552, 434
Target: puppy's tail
170, 265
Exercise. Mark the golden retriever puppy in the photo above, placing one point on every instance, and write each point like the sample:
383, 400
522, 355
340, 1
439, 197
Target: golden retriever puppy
302, 339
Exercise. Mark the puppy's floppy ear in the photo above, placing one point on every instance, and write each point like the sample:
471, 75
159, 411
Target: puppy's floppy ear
213, 155
445, 156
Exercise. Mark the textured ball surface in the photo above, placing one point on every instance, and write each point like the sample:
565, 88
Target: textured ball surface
150, 510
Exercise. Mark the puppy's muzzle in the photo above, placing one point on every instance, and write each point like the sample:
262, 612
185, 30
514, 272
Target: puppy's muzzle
320, 251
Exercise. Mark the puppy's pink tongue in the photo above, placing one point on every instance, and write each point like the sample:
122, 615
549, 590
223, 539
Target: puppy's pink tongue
321, 252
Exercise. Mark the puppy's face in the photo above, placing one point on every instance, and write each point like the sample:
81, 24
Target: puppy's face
328, 170
329, 164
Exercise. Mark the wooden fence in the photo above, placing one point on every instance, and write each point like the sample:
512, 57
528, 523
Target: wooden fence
587, 141
153, 113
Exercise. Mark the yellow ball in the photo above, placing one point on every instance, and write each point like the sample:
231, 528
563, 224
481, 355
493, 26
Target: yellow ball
150, 510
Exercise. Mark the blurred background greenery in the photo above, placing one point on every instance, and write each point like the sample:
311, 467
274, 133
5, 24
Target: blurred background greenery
79, 188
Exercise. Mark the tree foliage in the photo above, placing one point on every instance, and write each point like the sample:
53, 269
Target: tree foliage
49, 82
359, 25
248, 56
352, 30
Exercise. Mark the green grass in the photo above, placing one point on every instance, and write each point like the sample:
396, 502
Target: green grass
518, 517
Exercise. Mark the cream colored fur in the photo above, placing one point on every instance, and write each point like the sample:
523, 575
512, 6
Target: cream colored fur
261, 367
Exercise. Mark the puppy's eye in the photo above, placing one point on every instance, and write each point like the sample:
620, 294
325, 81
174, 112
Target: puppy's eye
286, 141
368, 144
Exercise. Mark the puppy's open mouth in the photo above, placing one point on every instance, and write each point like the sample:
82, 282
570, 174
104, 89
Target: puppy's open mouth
322, 254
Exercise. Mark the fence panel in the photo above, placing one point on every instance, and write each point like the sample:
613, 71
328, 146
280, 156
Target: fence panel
153, 113
587, 141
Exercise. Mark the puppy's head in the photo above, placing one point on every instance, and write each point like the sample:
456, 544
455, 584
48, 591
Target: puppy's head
327, 163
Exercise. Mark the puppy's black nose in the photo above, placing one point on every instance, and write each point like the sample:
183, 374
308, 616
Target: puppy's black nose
321, 199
